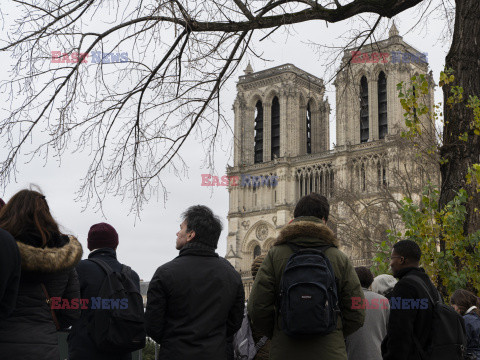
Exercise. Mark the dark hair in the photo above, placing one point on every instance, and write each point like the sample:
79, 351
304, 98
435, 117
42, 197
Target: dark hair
365, 276
408, 249
464, 299
28, 210
312, 205
204, 222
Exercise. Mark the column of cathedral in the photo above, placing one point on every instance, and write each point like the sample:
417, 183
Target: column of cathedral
373, 107
267, 131
302, 124
285, 124
324, 128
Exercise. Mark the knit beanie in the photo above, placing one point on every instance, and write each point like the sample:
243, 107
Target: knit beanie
2, 203
256, 265
102, 235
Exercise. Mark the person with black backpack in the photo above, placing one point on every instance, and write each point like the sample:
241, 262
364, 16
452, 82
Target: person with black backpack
302, 295
421, 326
112, 325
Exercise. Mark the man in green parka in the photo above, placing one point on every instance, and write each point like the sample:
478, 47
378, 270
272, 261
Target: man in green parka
307, 229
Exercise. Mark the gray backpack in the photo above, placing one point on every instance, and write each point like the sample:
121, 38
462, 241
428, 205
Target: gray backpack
244, 348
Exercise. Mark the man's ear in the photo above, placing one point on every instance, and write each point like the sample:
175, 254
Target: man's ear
190, 236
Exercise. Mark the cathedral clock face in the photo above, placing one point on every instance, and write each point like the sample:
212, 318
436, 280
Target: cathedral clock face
262, 232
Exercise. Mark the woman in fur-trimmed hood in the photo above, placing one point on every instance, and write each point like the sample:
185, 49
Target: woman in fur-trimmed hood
307, 230
48, 260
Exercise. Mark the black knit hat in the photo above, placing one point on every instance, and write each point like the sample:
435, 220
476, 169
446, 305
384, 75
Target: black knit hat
102, 235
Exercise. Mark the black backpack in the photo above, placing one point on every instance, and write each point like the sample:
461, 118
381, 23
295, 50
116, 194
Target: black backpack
118, 323
447, 336
308, 293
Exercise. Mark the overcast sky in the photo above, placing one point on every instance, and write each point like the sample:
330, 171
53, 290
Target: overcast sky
149, 241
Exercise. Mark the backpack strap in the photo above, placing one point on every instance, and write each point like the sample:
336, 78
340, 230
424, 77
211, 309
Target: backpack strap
424, 287
261, 343
105, 267
48, 299
420, 282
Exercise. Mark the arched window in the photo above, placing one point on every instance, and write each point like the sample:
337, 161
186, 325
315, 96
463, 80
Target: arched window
382, 106
258, 132
256, 251
363, 110
309, 129
275, 128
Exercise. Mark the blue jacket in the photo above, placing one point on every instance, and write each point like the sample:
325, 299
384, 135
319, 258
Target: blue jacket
472, 325
91, 276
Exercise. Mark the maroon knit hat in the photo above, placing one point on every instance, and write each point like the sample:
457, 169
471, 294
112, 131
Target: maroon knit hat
102, 235
2, 203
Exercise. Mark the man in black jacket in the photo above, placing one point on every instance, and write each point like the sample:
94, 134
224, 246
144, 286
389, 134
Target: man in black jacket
411, 311
195, 301
102, 242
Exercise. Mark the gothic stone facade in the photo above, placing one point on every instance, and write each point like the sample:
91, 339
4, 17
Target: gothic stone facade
281, 130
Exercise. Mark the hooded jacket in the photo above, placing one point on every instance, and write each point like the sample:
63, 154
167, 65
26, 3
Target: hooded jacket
30, 333
304, 232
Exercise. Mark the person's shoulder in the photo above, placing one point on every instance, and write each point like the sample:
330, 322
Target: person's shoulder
228, 266
338, 257
133, 273
472, 318
369, 294
7, 239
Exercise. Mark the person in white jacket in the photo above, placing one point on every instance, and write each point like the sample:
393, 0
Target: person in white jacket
365, 343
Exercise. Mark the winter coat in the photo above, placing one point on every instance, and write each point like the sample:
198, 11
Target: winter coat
30, 332
304, 232
472, 326
91, 276
365, 342
194, 303
9, 274
406, 324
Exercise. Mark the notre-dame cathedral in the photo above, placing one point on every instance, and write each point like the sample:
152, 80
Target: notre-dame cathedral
281, 129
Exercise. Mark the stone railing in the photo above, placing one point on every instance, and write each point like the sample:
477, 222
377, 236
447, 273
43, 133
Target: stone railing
278, 70
361, 262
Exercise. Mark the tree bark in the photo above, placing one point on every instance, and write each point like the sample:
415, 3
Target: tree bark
464, 59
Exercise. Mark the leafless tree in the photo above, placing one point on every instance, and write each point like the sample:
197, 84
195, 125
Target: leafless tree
143, 111
362, 217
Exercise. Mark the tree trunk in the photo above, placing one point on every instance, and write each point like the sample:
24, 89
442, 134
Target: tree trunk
464, 59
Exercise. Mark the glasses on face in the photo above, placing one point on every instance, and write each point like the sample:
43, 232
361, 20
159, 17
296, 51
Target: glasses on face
395, 257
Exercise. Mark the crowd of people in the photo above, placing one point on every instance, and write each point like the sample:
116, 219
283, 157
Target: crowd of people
307, 300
